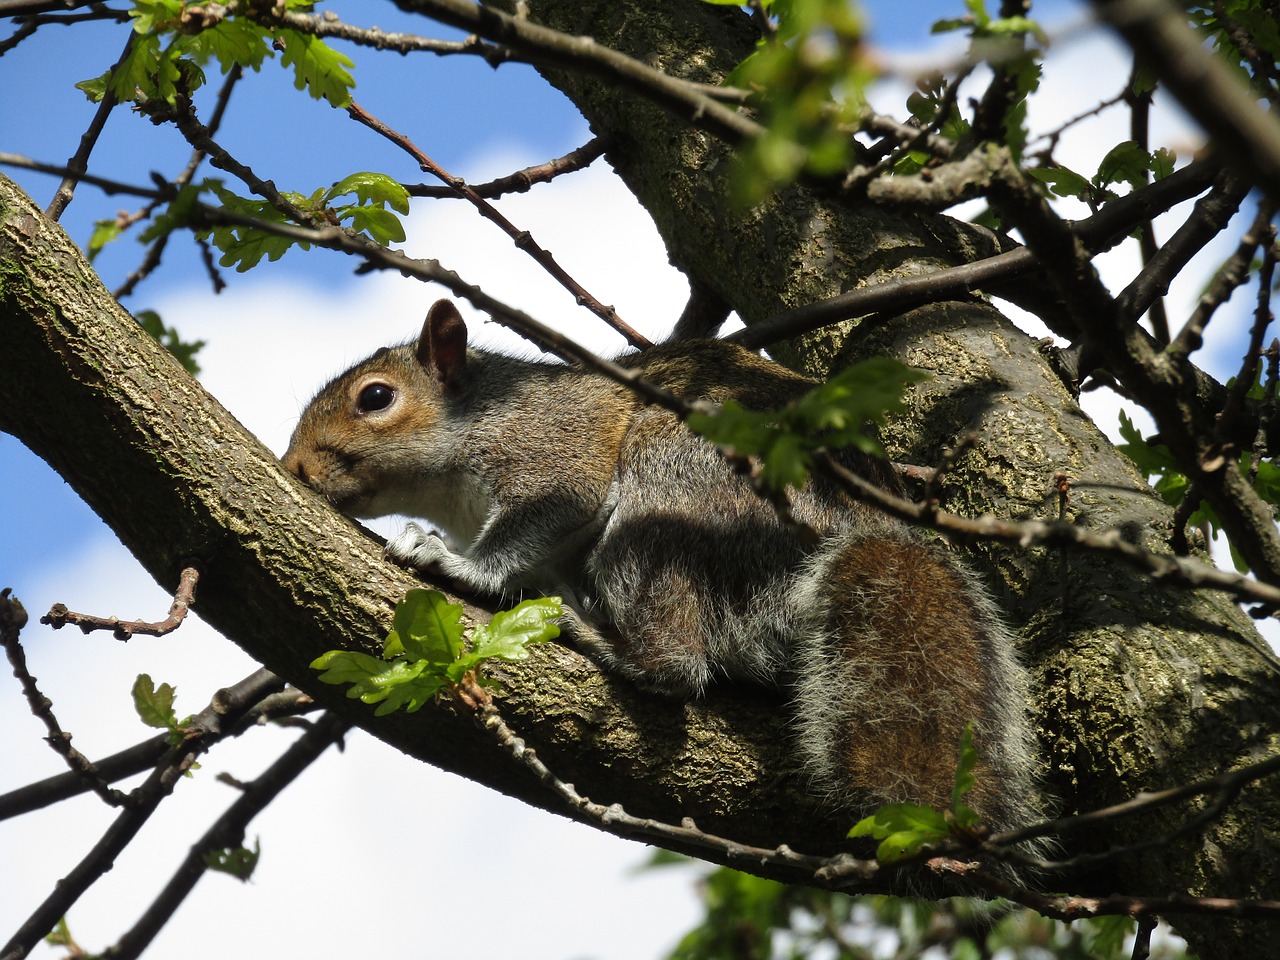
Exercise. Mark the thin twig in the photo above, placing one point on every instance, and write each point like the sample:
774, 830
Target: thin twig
1210, 216
227, 832
522, 180
206, 729
79, 161
143, 756
156, 251
59, 616
523, 239
12, 619
545, 46
1099, 233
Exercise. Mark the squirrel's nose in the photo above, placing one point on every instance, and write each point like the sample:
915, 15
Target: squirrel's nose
293, 463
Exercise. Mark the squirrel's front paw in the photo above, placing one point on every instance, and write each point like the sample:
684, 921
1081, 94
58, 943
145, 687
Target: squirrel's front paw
416, 548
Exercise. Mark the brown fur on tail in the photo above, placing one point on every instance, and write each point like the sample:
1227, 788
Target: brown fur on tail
904, 650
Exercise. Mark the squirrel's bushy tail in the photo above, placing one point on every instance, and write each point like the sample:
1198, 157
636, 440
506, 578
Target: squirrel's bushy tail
889, 669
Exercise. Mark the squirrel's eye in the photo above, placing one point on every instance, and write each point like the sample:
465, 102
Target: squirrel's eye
376, 396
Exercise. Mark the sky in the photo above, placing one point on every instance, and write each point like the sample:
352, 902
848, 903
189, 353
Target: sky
412, 861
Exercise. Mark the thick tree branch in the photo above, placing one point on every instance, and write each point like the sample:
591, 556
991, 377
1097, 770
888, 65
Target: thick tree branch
298, 580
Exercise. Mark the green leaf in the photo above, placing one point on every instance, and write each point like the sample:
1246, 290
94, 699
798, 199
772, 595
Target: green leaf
411, 694
1063, 182
96, 88
902, 829
60, 935
1162, 162
154, 16
231, 41
183, 351
237, 861
427, 627
104, 231
835, 414
978, 9
153, 704
1105, 936
1019, 26
1150, 459
372, 188
317, 67
382, 226
509, 634
1126, 162
962, 814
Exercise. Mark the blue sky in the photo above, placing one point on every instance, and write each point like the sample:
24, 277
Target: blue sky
273, 337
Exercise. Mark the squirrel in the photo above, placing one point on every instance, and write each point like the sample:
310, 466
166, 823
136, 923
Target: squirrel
550, 478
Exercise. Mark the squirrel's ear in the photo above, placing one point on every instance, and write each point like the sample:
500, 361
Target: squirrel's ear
442, 347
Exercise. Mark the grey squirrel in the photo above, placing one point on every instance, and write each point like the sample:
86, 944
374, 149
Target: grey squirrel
549, 478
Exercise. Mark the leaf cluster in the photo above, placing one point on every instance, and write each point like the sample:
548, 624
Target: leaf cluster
834, 415
1156, 460
243, 246
154, 706
380, 202
1257, 18
1000, 42
173, 43
427, 651
810, 73
1125, 163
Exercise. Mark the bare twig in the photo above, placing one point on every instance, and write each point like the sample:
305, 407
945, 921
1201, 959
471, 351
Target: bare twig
1210, 216
79, 161
543, 45
227, 832
1140, 133
156, 250
1224, 788
12, 619
1059, 533
204, 730
523, 239
142, 756
1231, 275
522, 180
59, 616
1068, 908
1099, 233
328, 25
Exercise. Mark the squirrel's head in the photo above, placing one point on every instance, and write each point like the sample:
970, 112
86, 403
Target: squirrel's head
373, 431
